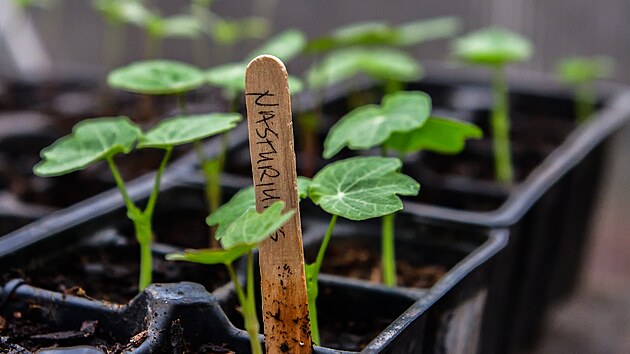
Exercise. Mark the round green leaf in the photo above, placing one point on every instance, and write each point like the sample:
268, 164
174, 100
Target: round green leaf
186, 129
578, 70
371, 125
417, 32
285, 46
379, 63
441, 135
252, 227
124, 11
358, 34
361, 188
156, 77
91, 140
241, 203
181, 26
492, 46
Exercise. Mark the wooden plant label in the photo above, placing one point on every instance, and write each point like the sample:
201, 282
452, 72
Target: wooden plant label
283, 283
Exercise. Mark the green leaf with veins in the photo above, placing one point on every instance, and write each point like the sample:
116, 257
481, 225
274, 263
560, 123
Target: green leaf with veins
187, 129
156, 77
579, 70
91, 140
361, 188
211, 255
242, 202
285, 46
252, 227
371, 125
492, 46
231, 77
379, 63
441, 135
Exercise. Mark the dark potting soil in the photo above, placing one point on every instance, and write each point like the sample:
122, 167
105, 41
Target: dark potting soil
26, 333
365, 263
111, 273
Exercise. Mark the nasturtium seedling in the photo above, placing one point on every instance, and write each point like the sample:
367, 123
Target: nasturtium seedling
492, 46
496, 47
357, 188
376, 33
437, 134
242, 202
371, 125
581, 73
101, 139
156, 77
240, 238
385, 64
177, 26
231, 77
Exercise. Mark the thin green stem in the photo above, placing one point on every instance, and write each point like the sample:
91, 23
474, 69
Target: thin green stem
248, 303
392, 86
120, 183
156, 185
242, 299
501, 128
312, 275
388, 253
584, 102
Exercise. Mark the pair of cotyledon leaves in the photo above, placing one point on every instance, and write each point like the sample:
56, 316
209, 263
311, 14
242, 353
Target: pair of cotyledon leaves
368, 48
93, 140
380, 33
402, 122
167, 77
357, 189
581, 70
493, 46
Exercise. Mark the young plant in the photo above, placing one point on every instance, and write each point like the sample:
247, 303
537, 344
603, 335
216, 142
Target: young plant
495, 48
240, 238
580, 73
101, 139
166, 77
403, 123
357, 189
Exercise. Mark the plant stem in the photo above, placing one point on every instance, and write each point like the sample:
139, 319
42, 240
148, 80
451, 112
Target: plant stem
392, 86
312, 277
142, 219
248, 303
388, 254
501, 128
584, 102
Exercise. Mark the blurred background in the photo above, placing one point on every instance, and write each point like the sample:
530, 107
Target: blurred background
50, 39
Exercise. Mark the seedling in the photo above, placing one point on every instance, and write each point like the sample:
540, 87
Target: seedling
403, 123
231, 77
241, 237
101, 139
580, 73
165, 77
495, 48
358, 188
383, 34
